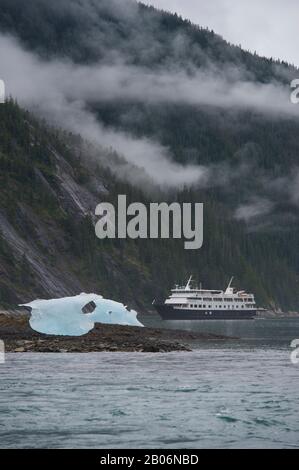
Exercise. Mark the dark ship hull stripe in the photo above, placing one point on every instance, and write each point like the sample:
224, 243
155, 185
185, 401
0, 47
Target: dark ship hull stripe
168, 312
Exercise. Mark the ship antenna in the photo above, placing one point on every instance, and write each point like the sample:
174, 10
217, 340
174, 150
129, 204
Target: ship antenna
188, 283
228, 289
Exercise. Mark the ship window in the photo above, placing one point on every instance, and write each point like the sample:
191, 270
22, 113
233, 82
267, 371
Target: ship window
204, 306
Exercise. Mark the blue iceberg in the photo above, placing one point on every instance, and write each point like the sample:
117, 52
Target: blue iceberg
76, 316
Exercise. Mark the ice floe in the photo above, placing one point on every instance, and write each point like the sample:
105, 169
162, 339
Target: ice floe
76, 316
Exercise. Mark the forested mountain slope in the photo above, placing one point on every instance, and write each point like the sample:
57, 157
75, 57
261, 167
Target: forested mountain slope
153, 77
48, 244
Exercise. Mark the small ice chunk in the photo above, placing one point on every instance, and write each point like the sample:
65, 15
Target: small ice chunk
76, 316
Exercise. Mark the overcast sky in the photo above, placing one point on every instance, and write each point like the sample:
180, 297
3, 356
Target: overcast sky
269, 27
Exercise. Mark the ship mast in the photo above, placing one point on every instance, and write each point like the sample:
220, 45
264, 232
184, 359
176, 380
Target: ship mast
229, 289
189, 283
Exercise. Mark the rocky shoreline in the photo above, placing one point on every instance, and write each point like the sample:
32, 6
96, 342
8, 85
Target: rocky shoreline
18, 337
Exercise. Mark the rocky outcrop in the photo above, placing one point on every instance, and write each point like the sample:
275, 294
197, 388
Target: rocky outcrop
19, 338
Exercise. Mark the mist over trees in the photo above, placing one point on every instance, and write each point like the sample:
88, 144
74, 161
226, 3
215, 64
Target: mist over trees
199, 103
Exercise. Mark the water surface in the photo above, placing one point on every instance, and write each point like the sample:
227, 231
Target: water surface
214, 397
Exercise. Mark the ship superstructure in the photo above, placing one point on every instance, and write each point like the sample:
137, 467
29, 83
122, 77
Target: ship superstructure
195, 303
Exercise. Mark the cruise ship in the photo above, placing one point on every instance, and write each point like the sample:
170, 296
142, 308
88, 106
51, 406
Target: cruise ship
193, 303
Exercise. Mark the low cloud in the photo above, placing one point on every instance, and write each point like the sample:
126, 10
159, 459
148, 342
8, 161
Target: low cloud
274, 204
31, 79
61, 91
254, 209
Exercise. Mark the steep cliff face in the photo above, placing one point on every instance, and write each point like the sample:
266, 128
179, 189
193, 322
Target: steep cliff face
38, 193
48, 246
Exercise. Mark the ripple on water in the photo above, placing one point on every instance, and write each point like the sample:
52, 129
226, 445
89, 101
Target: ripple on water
208, 398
